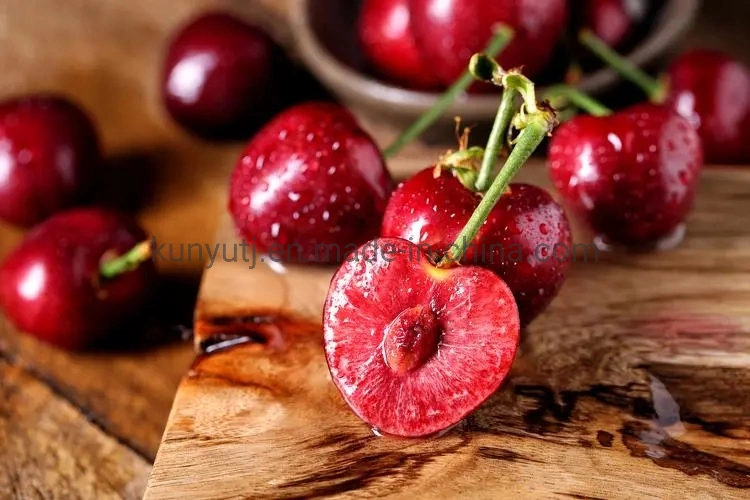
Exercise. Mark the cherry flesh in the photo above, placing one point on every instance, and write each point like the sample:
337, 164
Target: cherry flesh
49, 157
412, 348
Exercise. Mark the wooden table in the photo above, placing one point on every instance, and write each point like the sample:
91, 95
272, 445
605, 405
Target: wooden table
88, 425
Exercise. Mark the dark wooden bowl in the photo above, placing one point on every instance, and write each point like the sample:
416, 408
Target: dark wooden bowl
325, 32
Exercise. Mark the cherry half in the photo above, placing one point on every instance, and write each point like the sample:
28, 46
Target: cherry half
218, 76
49, 157
449, 32
631, 175
414, 348
386, 37
77, 276
310, 184
524, 240
707, 87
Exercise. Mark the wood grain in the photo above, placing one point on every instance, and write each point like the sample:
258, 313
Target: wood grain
629, 386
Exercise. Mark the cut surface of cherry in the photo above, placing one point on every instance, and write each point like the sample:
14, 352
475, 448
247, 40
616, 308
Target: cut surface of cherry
51, 287
632, 176
712, 90
526, 240
413, 348
49, 157
449, 32
387, 39
310, 186
218, 76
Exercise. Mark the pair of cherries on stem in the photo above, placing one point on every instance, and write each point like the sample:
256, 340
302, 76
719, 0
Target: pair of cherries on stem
414, 341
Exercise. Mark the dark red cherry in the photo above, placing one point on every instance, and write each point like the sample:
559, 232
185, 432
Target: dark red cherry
310, 186
219, 75
526, 240
632, 176
449, 32
49, 156
388, 42
51, 285
615, 21
712, 90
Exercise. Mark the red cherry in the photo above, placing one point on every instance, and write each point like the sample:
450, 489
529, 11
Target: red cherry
614, 21
523, 241
712, 90
310, 179
218, 76
449, 32
388, 42
632, 175
51, 287
413, 348
49, 154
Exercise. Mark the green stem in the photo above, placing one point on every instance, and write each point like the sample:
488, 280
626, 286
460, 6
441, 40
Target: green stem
498, 136
578, 98
499, 41
529, 139
654, 90
486, 69
111, 268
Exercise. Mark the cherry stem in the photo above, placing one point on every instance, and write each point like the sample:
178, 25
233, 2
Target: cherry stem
112, 267
536, 129
577, 98
497, 139
486, 68
502, 37
655, 91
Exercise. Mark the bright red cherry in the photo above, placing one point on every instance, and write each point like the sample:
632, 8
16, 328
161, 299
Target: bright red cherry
310, 184
449, 32
632, 176
712, 90
388, 42
414, 348
526, 240
51, 285
49, 157
219, 75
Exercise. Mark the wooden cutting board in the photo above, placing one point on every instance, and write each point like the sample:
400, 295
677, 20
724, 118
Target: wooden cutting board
633, 384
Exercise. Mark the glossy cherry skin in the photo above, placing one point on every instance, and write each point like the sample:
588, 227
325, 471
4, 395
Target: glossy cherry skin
523, 241
449, 32
388, 42
632, 176
614, 21
310, 178
712, 90
218, 76
49, 157
50, 285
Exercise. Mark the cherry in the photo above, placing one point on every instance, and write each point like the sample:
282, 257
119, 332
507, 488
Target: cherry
709, 88
615, 21
218, 76
631, 175
386, 37
713, 91
310, 184
76, 276
448, 32
414, 348
524, 240
49, 154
